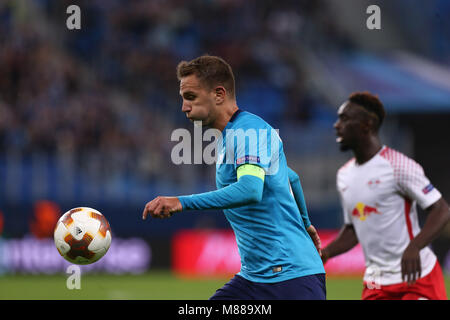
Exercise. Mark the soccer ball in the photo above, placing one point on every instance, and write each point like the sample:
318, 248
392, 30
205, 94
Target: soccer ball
82, 235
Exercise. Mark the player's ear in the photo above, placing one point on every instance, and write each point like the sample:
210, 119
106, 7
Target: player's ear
220, 94
372, 125
367, 124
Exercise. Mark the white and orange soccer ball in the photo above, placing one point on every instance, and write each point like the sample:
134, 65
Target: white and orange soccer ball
82, 235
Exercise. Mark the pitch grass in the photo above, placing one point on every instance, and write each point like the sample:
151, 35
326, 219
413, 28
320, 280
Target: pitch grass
155, 285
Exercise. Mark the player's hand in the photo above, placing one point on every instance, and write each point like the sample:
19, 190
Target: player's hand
162, 207
315, 238
411, 267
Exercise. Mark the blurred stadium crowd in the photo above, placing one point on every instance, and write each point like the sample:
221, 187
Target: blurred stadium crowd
110, 88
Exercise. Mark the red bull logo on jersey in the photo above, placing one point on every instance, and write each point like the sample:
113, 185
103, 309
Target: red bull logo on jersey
362, 211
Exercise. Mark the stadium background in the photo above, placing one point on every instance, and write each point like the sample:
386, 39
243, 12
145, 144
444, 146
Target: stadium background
86, 118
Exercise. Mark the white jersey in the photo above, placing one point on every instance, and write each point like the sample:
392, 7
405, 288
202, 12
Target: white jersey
379, 199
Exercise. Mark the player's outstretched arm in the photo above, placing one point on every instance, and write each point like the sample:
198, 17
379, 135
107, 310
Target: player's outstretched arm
345, 241
438, 217
248, 189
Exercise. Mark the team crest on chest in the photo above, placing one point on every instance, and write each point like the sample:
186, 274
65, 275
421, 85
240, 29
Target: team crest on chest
373, 183
362, 211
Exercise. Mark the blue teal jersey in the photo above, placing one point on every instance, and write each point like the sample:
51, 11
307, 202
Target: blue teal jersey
272, 239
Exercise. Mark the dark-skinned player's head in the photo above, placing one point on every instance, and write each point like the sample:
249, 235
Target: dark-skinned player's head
358, 118
372, 105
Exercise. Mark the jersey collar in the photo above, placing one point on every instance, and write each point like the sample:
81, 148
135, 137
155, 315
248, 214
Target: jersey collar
235, 114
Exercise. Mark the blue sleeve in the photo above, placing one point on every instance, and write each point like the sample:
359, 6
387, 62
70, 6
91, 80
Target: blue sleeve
296, 186
247, 190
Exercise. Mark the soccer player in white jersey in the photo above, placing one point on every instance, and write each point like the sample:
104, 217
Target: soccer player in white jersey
379, 189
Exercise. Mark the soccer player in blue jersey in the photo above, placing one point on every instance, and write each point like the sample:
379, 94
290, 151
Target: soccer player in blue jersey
261, 196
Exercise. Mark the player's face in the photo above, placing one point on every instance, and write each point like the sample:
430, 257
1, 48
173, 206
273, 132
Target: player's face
198, 101
348, 126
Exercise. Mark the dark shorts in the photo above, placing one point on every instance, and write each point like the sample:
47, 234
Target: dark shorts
310, 287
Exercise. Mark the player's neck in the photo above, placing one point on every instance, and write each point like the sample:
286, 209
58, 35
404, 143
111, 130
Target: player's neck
225, 115
367, 150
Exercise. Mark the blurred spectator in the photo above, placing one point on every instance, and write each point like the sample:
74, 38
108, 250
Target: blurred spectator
46, 214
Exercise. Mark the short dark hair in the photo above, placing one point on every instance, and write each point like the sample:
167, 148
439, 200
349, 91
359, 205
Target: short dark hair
210, 70
370, 103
